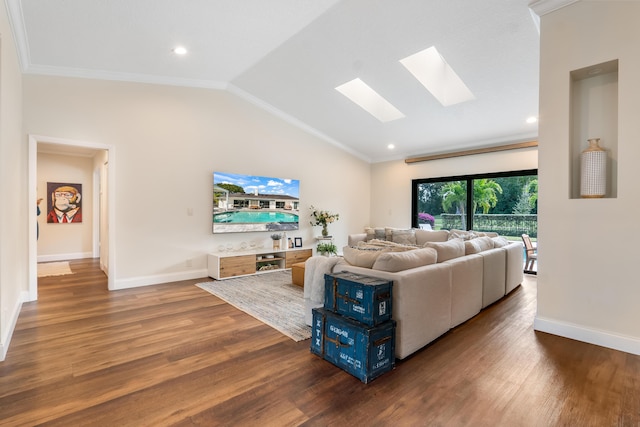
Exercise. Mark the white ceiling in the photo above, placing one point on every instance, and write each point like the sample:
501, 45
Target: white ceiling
289, 55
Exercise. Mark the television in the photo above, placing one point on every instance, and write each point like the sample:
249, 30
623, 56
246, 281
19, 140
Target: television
249, 203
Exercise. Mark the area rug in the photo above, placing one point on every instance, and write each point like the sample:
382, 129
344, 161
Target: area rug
269, 297
54, 269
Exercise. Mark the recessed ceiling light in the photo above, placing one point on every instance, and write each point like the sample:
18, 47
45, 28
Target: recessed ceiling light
370, 100
430, 68
532, 119
180, 50
391, 146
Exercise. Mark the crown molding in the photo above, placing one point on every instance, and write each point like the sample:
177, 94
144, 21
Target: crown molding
542, 7
16, 21
122, 77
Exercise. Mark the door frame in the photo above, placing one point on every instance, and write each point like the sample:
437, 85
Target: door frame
33, 218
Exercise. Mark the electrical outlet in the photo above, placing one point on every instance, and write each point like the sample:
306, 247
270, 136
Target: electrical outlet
189, 263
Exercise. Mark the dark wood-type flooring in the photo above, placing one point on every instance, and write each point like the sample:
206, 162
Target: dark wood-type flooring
174, 354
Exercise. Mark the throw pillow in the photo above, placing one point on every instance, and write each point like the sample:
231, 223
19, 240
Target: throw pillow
374, 233
448, 250
484, 243
462, 234
424, 236
360, 257
384, 245
404, 237
477, 245
399, 261
471, 247
388, 232
500, 241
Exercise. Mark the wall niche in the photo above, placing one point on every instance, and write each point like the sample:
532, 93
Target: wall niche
594, 114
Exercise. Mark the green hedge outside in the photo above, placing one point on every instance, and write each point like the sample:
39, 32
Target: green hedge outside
506, 225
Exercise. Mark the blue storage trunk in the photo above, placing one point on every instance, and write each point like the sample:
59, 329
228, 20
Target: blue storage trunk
364, 352
358, 297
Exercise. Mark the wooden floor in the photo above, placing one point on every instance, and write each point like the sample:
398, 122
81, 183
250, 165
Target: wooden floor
174, 354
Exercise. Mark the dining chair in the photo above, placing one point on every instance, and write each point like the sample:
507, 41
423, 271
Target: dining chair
531, 254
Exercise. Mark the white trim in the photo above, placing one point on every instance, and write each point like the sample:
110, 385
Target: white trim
542, 7
16, 20
84, 73
95, 247
111, 191
32, 252
64, 257
589, 335
13, 320
135, 282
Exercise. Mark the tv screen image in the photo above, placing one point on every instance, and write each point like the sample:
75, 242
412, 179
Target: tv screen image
245, 203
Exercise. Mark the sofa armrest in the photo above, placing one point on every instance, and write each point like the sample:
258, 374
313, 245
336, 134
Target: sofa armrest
515, 266
421, 303
493, 275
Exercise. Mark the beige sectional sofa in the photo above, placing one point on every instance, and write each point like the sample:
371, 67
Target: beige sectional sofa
441, 278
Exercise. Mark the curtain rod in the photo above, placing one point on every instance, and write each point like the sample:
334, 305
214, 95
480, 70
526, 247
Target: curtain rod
516, 146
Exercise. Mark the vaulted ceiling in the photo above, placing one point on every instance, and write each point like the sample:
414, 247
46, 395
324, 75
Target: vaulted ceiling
288, 56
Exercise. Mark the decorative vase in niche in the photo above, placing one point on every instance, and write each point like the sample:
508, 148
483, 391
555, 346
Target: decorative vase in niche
593, 170
325, 232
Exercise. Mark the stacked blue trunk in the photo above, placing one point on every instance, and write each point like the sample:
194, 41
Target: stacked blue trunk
354, 330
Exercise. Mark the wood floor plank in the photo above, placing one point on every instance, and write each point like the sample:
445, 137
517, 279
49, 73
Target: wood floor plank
173, 354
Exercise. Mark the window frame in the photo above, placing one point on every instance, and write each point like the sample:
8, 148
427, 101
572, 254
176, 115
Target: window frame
469, 179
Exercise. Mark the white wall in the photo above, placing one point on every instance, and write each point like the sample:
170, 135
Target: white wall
391, 181
13, 216
587, 280
168, 141
73, 240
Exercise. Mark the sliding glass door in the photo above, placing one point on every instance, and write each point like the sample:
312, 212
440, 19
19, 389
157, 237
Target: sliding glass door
503, 202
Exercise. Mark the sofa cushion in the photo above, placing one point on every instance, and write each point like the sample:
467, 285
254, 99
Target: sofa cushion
448, 250
399, 261
424, 236
477, 245
500, 241
471, 247
361, 257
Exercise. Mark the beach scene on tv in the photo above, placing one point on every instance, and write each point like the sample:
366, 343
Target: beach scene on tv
254, 203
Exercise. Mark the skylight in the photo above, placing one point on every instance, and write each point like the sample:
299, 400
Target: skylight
370, 100
430, 68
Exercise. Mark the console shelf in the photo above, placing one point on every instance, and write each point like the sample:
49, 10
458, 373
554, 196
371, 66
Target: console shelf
224, 265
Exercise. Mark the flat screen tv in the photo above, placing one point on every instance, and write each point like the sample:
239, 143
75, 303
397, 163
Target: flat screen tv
246, 203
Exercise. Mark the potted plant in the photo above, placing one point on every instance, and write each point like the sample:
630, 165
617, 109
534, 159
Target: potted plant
276, 240
327, 249
323, 218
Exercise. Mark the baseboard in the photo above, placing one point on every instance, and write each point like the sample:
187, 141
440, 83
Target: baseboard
64, 257
588, 335
136, 282
13, 320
